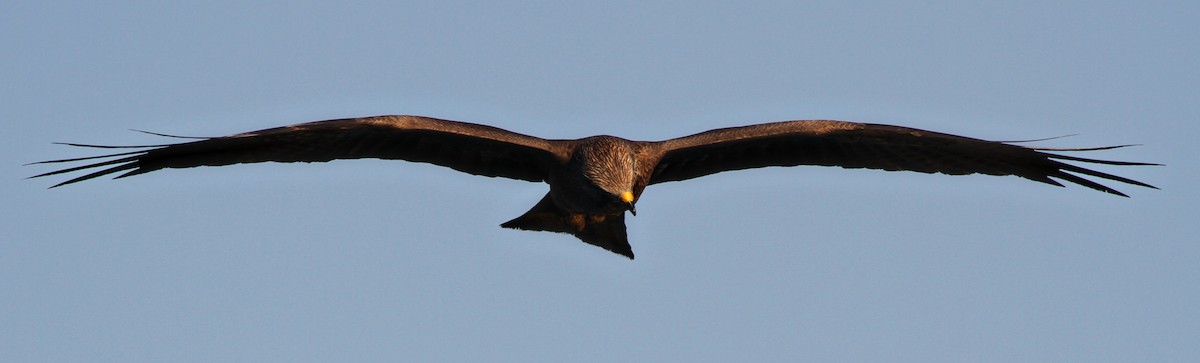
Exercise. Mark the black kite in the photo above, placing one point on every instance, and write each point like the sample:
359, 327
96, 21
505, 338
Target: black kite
595, 180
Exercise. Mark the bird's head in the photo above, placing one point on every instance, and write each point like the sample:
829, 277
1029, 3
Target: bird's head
610, 164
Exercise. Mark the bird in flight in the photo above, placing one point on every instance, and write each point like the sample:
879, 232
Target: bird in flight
595, 180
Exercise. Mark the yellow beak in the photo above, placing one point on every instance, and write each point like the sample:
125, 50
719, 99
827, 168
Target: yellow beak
627, 197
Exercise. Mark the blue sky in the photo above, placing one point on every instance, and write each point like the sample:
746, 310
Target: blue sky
383, 260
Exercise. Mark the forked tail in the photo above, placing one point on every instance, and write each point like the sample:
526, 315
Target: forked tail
604, 231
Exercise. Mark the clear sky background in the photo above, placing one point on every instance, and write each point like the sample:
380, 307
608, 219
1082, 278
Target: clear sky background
373, 260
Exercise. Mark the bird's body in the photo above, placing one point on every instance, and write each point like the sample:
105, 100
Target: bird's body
595, 180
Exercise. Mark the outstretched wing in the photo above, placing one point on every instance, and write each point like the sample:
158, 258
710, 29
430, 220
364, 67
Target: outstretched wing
466, 147
873, 146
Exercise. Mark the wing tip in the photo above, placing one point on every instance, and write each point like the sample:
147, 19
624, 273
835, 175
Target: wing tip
1064, 171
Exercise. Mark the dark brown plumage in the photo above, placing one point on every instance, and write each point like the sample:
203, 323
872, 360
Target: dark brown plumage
595, 180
